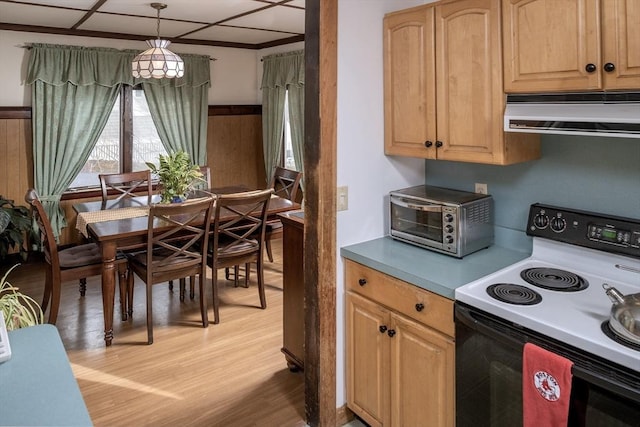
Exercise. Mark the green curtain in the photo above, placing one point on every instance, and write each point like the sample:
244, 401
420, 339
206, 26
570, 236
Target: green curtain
296, 122
73, 92
180, 112
281, 71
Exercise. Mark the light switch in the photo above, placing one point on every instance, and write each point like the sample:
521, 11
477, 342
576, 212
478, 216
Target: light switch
343, 198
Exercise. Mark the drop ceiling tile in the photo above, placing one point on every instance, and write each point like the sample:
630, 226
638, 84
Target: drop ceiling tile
238, 35
191, 10
279, 18
15, 13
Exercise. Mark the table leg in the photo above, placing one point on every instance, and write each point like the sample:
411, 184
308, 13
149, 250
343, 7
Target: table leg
108, 287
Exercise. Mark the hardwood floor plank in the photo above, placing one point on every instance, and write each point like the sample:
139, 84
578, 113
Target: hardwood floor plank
230, 374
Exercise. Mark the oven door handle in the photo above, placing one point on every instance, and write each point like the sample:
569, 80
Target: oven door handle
419, 207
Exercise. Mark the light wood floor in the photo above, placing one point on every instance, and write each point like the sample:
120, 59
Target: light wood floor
230, 374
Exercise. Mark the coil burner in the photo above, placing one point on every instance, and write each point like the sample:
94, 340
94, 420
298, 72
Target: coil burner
514, 294
554, 279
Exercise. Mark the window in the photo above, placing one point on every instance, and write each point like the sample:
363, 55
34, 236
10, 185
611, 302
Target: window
287, 161
128, 140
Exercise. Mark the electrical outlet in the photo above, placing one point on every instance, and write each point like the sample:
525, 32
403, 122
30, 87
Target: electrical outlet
481, 188
342, 198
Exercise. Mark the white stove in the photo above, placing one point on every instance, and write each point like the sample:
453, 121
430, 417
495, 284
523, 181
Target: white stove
575, 314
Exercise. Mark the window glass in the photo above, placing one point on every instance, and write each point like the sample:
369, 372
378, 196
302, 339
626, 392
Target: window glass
288, 160
107, 155
146, 142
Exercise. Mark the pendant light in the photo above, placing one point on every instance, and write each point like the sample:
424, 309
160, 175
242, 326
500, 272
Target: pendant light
157, 62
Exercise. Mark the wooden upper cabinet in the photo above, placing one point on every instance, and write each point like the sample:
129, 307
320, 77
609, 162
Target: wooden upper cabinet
571, 45
443, 85
621, 43
469, 82
409, 82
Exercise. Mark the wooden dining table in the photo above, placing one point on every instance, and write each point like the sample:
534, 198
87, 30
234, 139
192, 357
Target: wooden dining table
131, 233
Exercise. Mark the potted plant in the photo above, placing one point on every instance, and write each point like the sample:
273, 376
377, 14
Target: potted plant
14, 223
19, 310
177, 175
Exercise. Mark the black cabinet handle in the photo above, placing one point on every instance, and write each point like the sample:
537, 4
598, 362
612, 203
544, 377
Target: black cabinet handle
428, 144
391, 332
439, 144
383, 329
590, 68
609, 67
419, 306
362, 282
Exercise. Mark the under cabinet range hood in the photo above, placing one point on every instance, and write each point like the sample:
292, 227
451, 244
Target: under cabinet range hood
592, 114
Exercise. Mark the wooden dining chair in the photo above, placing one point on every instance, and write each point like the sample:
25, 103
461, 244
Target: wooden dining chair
238, 237
74, 263
174, 251
205, 184
286, 184
130, 184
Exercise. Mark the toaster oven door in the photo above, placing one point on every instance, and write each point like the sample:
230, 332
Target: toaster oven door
417, 221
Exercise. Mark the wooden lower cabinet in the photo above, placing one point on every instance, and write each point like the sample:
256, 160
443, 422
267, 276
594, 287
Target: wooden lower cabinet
400, 351
293, 288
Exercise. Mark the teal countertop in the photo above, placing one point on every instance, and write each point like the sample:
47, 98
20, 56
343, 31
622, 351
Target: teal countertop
432, 271
38, 387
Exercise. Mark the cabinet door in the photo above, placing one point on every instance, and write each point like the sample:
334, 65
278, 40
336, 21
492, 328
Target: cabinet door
621, 44
469, 95
423, 375
548, 45
367, 360
409, 83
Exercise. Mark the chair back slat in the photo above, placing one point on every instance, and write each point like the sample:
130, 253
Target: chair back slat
124, 185
242, 231
47, 238
286, 183
181, 247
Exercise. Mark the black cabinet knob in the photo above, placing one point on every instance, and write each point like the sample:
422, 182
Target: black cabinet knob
439, 144
609, 67
391, 332
362, 282
590, 68
383, 329
428, 144
419, 306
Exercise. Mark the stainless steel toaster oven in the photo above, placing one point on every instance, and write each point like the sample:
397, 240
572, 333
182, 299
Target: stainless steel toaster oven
449, 221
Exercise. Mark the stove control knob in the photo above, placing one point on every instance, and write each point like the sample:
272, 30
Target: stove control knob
448, 228
541, 221
448, 218
558, 224
448, 239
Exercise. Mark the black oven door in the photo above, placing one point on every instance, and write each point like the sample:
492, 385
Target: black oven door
489, 377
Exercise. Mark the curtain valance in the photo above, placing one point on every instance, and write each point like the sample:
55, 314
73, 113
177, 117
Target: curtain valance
283, 69
81, 66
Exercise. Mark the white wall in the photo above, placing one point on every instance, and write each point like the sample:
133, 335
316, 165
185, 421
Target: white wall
362, 165
234, 75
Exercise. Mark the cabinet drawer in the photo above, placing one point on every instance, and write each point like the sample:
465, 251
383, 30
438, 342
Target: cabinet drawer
412, 301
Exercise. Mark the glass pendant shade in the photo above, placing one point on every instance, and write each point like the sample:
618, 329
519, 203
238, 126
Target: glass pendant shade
157, 62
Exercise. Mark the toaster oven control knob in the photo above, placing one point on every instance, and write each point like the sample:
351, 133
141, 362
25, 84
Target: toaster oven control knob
448, 218
448, 228
558, 224
541, 221
448, 239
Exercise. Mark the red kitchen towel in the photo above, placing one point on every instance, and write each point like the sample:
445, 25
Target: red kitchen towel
546, 387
